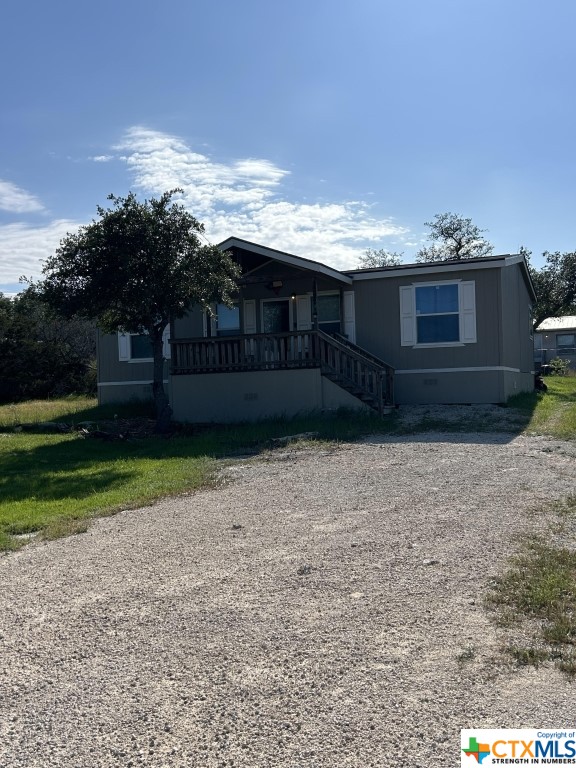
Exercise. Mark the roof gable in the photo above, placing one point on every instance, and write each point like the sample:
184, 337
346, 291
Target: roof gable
285, 258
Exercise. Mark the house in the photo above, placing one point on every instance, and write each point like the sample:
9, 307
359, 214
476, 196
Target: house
304, 336
555, 337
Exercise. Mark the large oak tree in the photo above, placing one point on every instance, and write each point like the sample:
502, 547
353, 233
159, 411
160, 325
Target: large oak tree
135, 268
454, 238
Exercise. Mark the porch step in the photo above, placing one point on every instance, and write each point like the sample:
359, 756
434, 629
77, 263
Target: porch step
359, 393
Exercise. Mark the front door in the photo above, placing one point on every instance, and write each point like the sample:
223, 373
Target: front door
276, 315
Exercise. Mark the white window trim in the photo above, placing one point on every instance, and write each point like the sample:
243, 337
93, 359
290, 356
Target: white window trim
408, 316
125, 347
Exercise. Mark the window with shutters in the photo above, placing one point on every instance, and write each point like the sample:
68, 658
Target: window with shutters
136, 347
438, 314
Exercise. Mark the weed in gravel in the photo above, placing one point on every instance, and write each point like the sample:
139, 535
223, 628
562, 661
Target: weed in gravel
525, 657
540, 586
305, 570
468, 654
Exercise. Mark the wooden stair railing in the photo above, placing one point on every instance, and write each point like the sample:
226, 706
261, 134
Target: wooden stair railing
356, 370
351, 367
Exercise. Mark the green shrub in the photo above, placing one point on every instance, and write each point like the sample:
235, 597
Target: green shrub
559, 366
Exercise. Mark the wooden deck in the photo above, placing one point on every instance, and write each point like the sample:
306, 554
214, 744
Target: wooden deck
357, 371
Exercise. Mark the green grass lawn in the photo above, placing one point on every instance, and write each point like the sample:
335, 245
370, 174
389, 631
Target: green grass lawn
552, 413
54, 483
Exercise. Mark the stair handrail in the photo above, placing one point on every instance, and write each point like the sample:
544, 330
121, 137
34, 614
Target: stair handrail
359, 352
382, 369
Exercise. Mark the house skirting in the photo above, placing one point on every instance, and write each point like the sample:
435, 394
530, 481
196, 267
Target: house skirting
124, 391
254, 395
465, 385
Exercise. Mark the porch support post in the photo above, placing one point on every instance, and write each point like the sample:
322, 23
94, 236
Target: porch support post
314, 304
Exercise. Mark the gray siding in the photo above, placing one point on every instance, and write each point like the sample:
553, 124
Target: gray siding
517, 344
378, 322
119, 381
191, 326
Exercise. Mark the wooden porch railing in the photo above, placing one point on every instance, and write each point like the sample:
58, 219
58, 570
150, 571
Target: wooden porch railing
256, 352
360, 373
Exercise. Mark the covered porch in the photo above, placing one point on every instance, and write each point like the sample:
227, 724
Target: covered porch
364, 376
291, 315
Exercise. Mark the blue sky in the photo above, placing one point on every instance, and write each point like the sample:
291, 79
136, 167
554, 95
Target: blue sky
321, 127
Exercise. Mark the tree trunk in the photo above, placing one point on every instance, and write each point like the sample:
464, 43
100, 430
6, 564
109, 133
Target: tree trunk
162, 406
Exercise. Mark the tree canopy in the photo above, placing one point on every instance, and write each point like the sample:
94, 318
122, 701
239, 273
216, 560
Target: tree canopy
135, 268
372, 258
454, 237
41, 353
554, 283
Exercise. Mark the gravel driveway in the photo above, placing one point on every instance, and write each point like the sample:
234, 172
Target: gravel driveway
308, 612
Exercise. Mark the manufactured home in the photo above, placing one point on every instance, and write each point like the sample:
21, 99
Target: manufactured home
304, 336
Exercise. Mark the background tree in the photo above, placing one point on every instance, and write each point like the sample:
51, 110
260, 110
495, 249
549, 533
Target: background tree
453, 238
554, 283
42, 354
135, 269
372, 258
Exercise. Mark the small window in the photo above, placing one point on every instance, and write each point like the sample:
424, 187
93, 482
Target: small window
329, 312
565, 340
228, 320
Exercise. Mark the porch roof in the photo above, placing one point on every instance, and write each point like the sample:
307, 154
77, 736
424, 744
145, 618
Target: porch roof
285, 258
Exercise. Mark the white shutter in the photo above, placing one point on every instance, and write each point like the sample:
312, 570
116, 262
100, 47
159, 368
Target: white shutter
468, 312
123, 346
407, 317
166, 343
349, 316
303, 313
250, 316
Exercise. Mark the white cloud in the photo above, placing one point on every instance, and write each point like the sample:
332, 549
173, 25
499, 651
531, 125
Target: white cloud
102, 158
17, 200
159, 162
23, 247
243, 198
